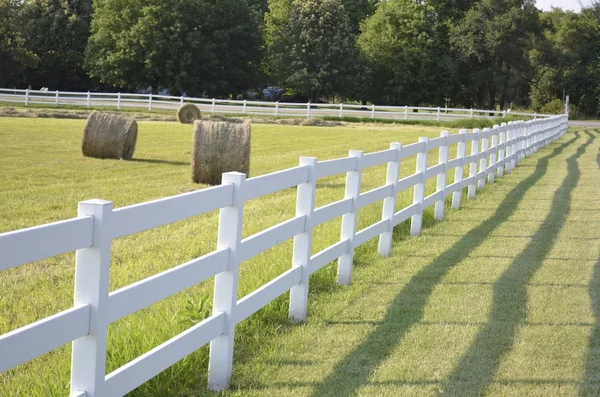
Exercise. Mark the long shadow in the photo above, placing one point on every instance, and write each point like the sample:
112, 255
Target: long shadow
158, 161
478, 366
408, 306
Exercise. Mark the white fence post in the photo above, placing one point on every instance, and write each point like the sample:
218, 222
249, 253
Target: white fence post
308, 110
88, 358
56, 98
509, 143
276, 108
471, 113
226, 285
441, 178
484, 155
459, 171
118, 101
244, 106
373, 111
353, 179
416, 221
26, 96
472, 190
181, 101
389, 203
502, 140
341, 110
405, 112
150, 102
213, 106
494, 154
305, 205
438, 114
88, 99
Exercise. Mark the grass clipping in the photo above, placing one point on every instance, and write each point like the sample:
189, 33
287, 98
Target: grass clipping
109, 136
220, 147
188, 113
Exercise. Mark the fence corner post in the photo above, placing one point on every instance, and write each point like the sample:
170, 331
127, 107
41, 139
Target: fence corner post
472, 190
88, 357
305, 205
226, 285
442, 177
416, 221
459, 171
353, 180
389, 203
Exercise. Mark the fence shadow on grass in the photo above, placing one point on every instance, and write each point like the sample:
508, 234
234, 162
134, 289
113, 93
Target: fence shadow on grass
478, 366
408, 306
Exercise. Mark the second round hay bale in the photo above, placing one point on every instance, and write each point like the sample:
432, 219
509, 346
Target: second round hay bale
109, 136
188, 113
220, 147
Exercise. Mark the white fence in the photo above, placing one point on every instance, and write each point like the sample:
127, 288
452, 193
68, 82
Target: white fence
284, 109
494, 152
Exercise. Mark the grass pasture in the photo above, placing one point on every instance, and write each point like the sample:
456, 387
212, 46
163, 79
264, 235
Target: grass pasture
43, 176
500, 299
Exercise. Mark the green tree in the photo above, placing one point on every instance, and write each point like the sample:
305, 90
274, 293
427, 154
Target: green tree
14, 55
57, 31
312, 48
202, 47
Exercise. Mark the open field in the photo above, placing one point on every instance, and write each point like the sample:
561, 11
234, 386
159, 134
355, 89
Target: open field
44, 175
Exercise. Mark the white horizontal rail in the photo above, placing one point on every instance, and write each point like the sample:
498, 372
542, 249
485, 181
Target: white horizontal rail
412, 149
331, 211
370, 232
406, 213
432, 198
434, 170
264, 295
270, 183
33, 340
40, 242
333, 167
270, 237
328, 255
375, 195
140, 217
144, 293
378, 158
147, 366
408, 182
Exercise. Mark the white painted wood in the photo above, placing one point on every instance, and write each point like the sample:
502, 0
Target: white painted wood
88, 358
508, 150
419, 189
473, 167
152, 363
375, 195
260, 242
40, 242
456, 162
441, 177
389, 203
148, 291
140, 217
453, 187
456, 138
78, 394
432, 199
328, 255
472, 159
336, 166
370, 232
473, 136
270, 183
331, 211
483, 158
378, 158
264, 295
226, 284
353, 181
436, 143
461, 151
305, 207
494, 151
408, 182
28, 342
412, 149
406, 213
434, 171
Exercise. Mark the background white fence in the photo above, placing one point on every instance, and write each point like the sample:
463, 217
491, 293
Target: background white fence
494, 152
223, 106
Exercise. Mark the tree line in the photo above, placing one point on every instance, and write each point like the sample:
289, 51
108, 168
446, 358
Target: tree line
494, 54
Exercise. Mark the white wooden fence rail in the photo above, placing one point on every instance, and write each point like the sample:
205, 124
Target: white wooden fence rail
244, 107
85, 324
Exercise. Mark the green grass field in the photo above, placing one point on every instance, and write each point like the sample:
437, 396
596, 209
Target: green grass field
500, 298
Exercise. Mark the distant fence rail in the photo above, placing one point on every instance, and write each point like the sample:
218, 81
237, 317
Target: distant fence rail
494, 153
148, 102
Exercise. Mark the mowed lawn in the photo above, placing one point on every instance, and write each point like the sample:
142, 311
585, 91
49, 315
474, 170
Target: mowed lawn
43, 176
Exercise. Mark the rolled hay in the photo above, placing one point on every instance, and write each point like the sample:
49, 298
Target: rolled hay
220, 147
188, 113
109, 136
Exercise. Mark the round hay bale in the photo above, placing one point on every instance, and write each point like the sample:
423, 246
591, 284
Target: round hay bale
220, 147
188, 113
109, 136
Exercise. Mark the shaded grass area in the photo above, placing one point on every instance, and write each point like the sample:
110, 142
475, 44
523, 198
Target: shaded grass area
500, 299
43, 176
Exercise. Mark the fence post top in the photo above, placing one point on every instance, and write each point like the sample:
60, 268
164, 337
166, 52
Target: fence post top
307, 160
463, 131
423, 139
355, 153
96, 202
395, 145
